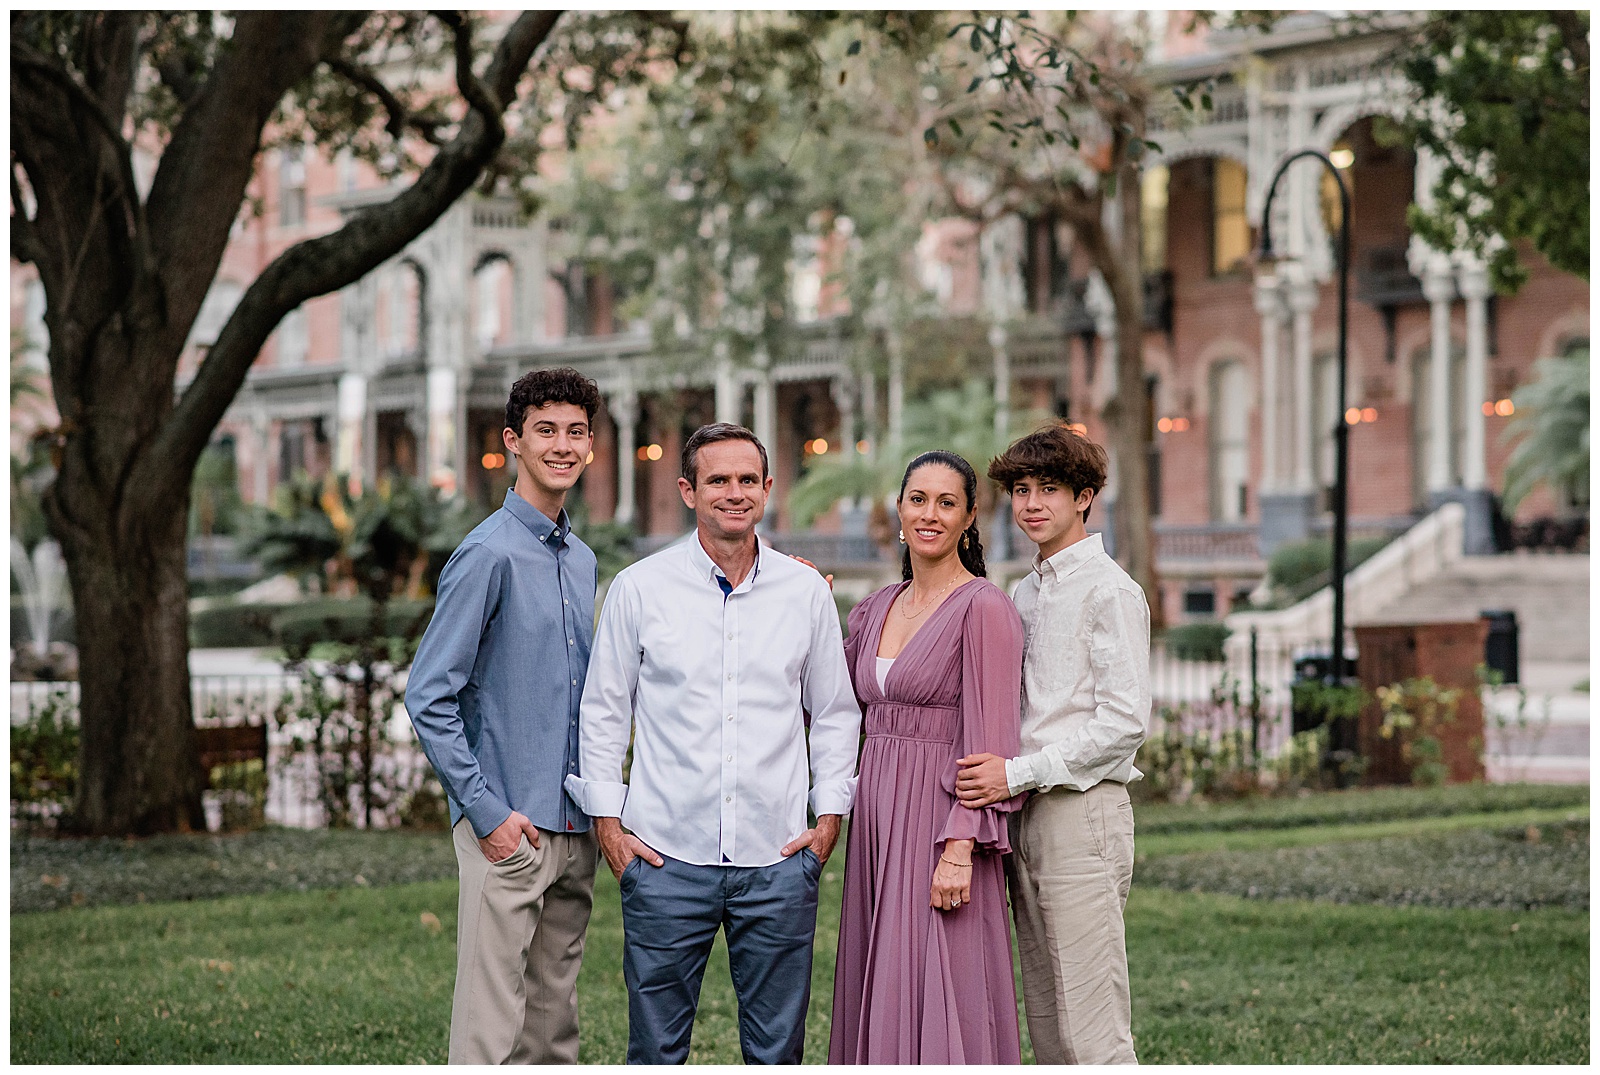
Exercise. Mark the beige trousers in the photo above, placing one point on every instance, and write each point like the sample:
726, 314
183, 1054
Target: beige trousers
1069, 873
519, 943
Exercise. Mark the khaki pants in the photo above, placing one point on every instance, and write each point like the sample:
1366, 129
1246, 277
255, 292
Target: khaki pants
1069, 877
519, 943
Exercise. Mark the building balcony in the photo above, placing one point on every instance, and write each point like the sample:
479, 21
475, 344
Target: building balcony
1383, 278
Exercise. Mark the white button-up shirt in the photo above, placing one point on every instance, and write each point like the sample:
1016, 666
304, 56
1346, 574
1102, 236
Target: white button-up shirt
714, 688
1085, 671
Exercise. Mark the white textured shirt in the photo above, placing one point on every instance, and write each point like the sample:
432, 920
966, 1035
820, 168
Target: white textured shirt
1085, 671
714, 689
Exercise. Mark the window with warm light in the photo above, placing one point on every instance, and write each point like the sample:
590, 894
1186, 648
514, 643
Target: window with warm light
1344, 159
1153, 224
1230, 229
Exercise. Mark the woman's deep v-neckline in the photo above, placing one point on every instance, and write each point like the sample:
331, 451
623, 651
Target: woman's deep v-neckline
877, 641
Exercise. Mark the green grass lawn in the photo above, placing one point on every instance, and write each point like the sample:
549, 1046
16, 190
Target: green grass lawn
361, 974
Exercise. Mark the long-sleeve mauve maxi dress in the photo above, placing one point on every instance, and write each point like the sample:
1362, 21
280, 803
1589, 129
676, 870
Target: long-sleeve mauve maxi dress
915, 985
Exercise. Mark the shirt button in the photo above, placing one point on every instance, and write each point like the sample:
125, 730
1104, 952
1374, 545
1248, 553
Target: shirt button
727, 798
570, 643
730, 675
574, 683
730, 716
730, 757
564, 601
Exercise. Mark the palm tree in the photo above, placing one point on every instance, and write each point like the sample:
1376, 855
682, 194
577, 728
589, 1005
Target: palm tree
384, 542
959, 420
1551, 428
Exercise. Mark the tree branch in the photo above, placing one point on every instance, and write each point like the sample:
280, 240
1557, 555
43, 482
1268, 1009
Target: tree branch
400, 117
329, 262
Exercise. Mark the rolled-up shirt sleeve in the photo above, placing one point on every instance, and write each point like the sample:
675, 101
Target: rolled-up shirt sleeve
468, 597
828, 695
605, 716
1089, 752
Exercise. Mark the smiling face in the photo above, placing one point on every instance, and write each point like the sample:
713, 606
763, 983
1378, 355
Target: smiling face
551, 451
729, 495
933, 511
1049, 512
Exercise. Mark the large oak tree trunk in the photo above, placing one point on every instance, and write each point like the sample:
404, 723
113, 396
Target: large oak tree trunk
139, 770
124, 280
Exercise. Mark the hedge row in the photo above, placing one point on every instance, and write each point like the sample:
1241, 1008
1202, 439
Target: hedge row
321, 620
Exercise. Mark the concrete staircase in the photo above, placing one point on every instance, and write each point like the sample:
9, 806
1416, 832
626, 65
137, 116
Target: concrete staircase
1548, 592
1538, 731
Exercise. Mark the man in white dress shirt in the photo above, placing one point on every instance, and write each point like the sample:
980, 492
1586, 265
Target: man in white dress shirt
1085, 702
713, 653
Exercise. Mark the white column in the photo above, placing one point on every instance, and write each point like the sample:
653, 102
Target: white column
727, 387
843, 390
1474, 282
624, 408
897, 389
1270, 305
348, 454
261, 427
1302, 301
443, 405
1438, 286
998, 340
766, 405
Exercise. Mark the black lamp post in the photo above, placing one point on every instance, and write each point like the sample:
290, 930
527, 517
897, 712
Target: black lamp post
1341, 432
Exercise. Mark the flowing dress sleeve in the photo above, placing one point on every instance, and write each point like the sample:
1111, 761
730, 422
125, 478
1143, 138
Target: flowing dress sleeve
991, 712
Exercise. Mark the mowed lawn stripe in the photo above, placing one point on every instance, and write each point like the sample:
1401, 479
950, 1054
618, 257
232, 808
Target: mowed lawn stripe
1183, 843
358, 976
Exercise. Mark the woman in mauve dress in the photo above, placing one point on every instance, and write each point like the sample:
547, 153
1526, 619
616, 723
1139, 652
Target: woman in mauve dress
924, 969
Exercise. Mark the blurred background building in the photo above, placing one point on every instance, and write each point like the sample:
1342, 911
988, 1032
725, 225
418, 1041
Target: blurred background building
407, 371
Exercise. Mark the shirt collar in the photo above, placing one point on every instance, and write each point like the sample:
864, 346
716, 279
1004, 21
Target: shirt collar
1070, 558
552, 533
704, 567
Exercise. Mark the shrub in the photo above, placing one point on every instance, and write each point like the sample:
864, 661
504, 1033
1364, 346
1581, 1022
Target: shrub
233, 626
44, 762
1197, 641
345, 620
1301, 568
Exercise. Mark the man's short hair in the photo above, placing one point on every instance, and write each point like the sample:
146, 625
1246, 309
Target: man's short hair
1054, 453
541, 388
711, 434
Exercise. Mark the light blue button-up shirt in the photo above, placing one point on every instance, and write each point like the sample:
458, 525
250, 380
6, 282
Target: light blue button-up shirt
495, 687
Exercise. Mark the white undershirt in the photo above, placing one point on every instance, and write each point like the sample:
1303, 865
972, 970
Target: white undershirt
884, 664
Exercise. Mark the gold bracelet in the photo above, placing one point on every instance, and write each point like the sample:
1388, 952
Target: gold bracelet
953, 862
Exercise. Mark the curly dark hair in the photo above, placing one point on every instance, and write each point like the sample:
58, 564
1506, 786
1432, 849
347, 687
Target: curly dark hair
1054, 453
540, 388
971, 549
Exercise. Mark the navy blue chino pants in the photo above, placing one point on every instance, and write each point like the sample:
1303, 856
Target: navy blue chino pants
670, 917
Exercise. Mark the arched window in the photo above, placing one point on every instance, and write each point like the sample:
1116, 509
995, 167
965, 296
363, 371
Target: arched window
403, 330
1230, 442
492, 298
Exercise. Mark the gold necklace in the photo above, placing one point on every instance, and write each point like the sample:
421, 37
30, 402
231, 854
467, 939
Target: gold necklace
907, 603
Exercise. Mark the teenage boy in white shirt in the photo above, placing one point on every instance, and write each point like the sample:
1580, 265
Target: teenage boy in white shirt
712, 652
1085, 703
